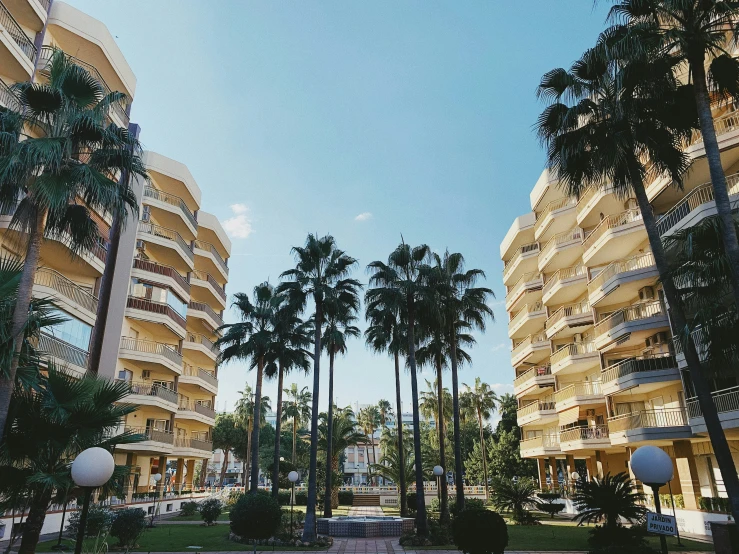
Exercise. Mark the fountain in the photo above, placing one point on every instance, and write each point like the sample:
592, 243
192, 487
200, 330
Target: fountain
364, 526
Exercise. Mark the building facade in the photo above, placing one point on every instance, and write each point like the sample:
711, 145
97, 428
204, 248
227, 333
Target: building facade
596, 371
170, 271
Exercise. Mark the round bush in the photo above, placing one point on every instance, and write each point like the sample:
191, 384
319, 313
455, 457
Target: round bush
283, 497
301, 498
128, 526
412, 500
99, 520
346, 498
255, 517
210, 510
188, 508
480, 532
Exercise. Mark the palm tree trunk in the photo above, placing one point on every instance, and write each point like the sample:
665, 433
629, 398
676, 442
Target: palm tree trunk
257, 417
369, 462
35, 521
248, 449
484, 456
334, 487
421, 522
401, 453
309, 529
327, 511
459, 471
700, 382
278, 429
20, 313
203, 473
718, 178
295, 436
443, 492
225, 465
374, 456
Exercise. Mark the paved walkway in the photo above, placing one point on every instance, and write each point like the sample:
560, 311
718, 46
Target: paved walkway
367, 511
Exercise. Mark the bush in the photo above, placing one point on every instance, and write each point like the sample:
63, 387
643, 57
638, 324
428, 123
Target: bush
549, 496
283, 498
256, 517
210, 510
440, 534
128, 526
285, 533
480, 532
301, 498
411, 499
188, 508
551, 507
99, 520
233, 498
346, 498
714, 504
618, 540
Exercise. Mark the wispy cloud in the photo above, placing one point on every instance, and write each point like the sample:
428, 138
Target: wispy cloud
239, 226
500, 346
364, 216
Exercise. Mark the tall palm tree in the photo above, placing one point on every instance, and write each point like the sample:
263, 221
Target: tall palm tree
401, 282
386, 333
78, 155
698, 34
385, 409
244, 420
225, 437
481, 400
345, 434
464, 307
297, 410
321, 272
287, 352
250, 340
340, 315
605, 117
608, 500
369, 420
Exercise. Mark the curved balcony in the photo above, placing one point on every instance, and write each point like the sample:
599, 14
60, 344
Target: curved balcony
528, 282
205, 313
556, 217
631, 325
582, 438
64, 354
186, 446
199, 377
200, 349
214, 258
562, 250
565, 285
542, 445
155, 441
622, 279
575, 358
528, 318
173, 208
193, 410
156, 313
17, 51
569, 320
523, 261
214, 291
531, 350
147, 393
168, 245
66, 294
533, 380
597, 200
150, 354
614, 238
579, 394
727, 406
538, 412
647, 372
164, 275
642, 426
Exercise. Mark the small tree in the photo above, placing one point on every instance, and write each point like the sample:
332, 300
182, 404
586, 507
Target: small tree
99, 520
188, 508
210, 510
517, 497
128, 526
608, 500
480, 532
256, 517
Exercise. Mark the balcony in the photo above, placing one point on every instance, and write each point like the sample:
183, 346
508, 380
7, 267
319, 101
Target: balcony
649, 426
66, 294
210, 253
575, 358
648, 373
200, 348
631, 325
64, 354
727, 406
172, 209
614, 238
164, 275
17, 51
528, 319
621, 280
523, 261
597, 200
8, 98
585, 438
206, 282
150, 354
542, 445
155, 441
199, 377
147, 393
531, 350
562, 250
556, 217
185, 445
694, 207
569, 320
528, 282
565, 285
159, 314
579, 394
189, 409
533, 381
167, 244
204, 312
538, 412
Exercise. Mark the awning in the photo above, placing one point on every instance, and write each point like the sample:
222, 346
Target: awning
570, 415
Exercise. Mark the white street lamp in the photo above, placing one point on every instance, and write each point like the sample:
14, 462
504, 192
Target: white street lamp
653, 467
438, 472
91, 468
292, 477
157, 494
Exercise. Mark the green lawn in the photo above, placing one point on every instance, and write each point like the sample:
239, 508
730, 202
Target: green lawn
196, 517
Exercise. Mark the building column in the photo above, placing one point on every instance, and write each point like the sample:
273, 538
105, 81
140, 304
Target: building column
687, 472
553, 473
161, 470
178, 475
570, 459
190, 475
541, 464
131, 459
203, 473
601, 459
592, 467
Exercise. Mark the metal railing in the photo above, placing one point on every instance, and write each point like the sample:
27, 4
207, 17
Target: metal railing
553, 206
572, 236
584, 433
8, 98
203, 307
534, 407
532, 374
144, 388
630, 313
155, 435
518, 254
159, 269
581, 308
562, 274
197, 444
640, 261
47, 277
208, 247
62, 350
611, 222
541, 441
523, 281
151, 347
194, 406
16, 33
638, 365
169, 234
205, 375
702, 194
172, 200
668, 417
136, 303
585, 197
523, 312
207, 277
573, 349
726, 400
724, 123
205, 341
585, 388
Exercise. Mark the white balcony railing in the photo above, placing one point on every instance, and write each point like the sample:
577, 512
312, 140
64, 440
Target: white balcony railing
564, 274
726, 400
572, 349
580, 308
597, 432
535, 308
668, 417
638, 365
530, 374
630, 313
611, 222
532, 277
585, 388
571, 236
640, 261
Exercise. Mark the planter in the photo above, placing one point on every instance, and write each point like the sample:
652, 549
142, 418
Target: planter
725, 537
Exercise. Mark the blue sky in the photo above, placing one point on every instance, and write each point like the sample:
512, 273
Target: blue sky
360, 119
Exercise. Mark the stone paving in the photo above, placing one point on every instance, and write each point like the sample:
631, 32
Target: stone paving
366, 511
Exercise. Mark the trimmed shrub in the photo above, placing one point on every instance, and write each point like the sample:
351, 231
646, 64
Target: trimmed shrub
480, 532
285, 533
346, 498
210, 510
188, 508
128, 526
411, 499
439, 533
283, 498
714, 504
551, 508
99, 520
301, 498
255, 517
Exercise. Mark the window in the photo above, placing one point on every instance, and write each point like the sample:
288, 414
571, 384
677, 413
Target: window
72, 331
141, 289
125, 375
157, 424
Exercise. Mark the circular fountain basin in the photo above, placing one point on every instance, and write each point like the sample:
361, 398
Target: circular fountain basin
364, 526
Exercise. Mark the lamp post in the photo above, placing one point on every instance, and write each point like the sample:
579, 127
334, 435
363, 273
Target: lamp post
91, 468
438, 472
157, 478
292, 476
653, 467
575, 476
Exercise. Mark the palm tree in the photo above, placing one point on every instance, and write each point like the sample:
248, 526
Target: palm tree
481, 400
697, 34
251, 340
604, 118
297, 410
401, 282
386, 333
322, 271
464, 307
385, 409
391, 469
345, 434
244, 419
77, 155
369, 419
225, 437
516, 497
608, 499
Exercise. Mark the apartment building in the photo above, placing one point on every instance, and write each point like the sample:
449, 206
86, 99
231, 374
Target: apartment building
171, 267
596, 371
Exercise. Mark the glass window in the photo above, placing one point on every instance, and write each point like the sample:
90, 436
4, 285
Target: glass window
158, 294
73, 331
177, 305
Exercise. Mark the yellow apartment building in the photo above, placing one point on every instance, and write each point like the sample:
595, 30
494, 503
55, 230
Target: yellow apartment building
170, 272
596, 371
